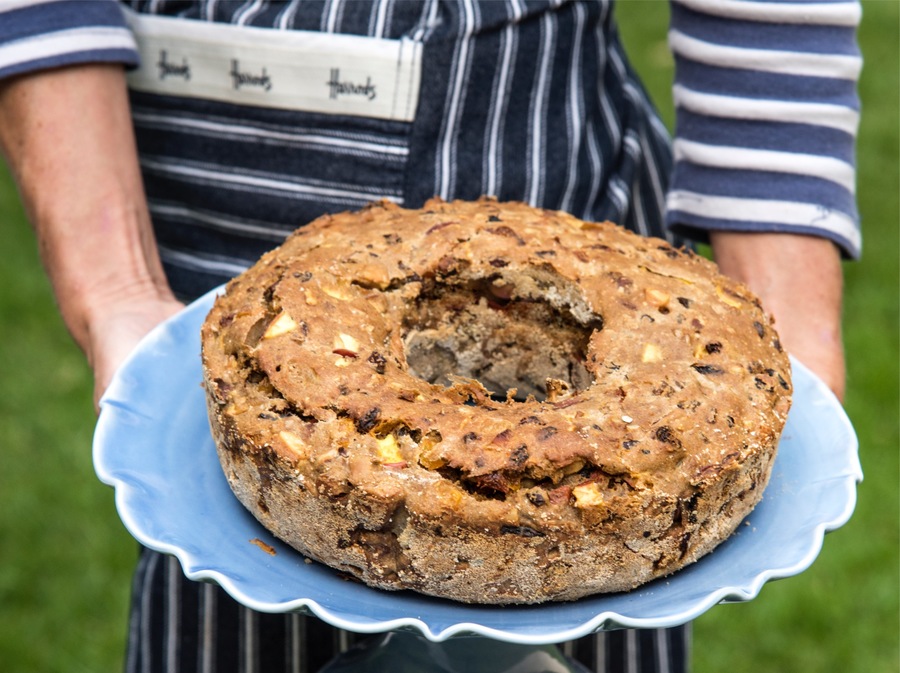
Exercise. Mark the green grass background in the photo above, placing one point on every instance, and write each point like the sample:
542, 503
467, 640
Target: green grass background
66, 560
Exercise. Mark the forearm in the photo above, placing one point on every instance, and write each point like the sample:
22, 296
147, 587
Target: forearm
68, 138
799, 280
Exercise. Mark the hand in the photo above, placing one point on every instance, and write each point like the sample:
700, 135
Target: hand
117, 328
799, 281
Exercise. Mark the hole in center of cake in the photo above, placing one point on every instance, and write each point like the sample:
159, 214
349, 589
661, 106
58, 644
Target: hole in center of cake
488, 329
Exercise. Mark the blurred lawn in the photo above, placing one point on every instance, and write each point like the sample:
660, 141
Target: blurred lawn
65, 559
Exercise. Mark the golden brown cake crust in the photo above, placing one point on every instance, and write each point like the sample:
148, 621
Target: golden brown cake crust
493, 403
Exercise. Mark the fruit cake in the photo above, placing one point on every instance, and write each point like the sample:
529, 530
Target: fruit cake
493, 403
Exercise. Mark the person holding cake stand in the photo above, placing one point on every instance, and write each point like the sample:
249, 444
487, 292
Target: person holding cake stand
152, 174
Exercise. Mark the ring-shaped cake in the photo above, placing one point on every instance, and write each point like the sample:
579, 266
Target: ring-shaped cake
493, 403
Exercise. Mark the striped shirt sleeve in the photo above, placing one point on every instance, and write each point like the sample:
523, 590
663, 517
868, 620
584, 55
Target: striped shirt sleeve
766, 118
40, 34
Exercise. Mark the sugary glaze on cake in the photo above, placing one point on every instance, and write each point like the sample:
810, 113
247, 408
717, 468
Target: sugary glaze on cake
493, 403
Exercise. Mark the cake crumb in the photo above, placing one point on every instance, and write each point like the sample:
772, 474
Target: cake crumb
269, 549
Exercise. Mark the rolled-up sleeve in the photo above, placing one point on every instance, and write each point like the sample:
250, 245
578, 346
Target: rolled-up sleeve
40, 34
766, 118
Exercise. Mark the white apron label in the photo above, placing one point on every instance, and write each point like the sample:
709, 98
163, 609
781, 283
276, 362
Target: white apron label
291, 70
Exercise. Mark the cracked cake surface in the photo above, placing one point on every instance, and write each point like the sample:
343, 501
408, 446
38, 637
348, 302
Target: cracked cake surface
493, 403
